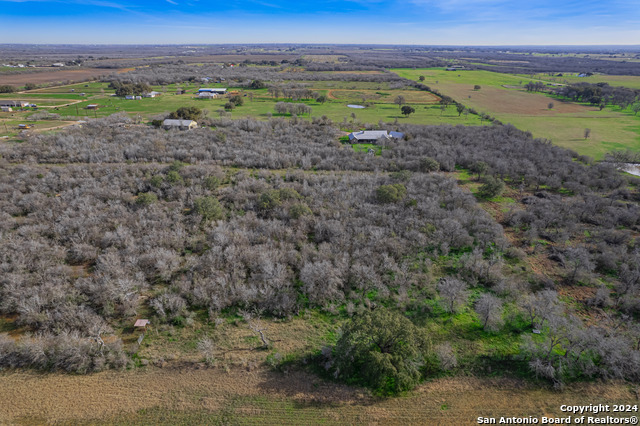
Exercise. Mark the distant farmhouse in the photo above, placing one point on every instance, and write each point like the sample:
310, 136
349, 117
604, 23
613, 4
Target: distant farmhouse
58, 64
207, 95
93, 106
133, 97
179, 124
6, 109
455, 68
216, 90
152, 94
9, 103
372, 136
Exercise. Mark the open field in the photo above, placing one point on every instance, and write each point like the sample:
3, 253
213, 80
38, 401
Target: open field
632, 82
58, 75
564, 124
340, 94
187, 395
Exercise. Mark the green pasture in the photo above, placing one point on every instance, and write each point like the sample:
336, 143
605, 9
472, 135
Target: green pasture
630, 81
262, 107
435, 76
90, 88
611, 128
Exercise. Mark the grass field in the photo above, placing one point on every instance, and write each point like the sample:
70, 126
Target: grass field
632, 82
564, 124
263, 105
189, 395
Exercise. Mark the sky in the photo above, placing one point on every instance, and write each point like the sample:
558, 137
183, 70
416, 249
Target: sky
414, 22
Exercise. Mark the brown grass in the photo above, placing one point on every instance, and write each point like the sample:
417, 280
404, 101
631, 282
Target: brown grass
499, 101
261, 396
51, 76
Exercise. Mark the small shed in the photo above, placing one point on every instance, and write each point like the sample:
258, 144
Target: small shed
92, 106
142, 323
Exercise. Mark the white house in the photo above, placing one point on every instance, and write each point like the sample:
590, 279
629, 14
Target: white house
58, 64
152, 94
10, 103
207, 95
179, 124
372, 136
217, 90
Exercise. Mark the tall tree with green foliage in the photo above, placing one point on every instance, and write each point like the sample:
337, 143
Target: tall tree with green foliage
382, 350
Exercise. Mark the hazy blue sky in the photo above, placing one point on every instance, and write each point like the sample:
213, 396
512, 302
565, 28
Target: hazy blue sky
466, 22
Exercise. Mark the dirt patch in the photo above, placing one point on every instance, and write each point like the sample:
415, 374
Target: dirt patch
52, 76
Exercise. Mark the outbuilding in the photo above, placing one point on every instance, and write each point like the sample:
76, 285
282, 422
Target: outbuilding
11, 103
179, 124
372, 136
216, 90
207, 95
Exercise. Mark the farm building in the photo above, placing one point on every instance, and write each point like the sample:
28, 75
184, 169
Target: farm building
179, 124
58, 64
372, 136
6, 109
207, 95
130, 97
92, 106
9, 103
217, 90
152, 94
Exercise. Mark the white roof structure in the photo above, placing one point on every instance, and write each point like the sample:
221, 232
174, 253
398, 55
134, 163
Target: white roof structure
179, 123
213, 90
142, 323
374, 135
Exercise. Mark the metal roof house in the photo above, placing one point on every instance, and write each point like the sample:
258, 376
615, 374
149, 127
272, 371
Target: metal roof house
218, 90
207, 95
9, 103
372, 136
152, 94
179, 124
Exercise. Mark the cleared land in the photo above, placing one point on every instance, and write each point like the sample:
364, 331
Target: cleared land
184, 395
564, 124
52, 76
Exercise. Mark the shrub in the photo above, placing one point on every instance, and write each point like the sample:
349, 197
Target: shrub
382, 350
492, 187
391, 193
428, 164
298, 210
209, 208
174, 177
146, 198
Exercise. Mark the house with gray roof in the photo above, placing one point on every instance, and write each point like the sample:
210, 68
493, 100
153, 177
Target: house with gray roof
372, 136
179, 124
